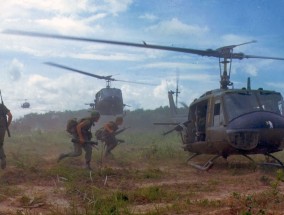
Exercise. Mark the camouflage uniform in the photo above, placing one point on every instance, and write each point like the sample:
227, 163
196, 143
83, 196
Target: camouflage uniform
87, 136
3, 112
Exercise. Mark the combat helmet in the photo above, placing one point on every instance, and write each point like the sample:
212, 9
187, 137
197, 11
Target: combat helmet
95, 114
119, 119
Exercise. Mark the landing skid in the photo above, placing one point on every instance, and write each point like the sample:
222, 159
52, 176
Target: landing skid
206, 166
278, 164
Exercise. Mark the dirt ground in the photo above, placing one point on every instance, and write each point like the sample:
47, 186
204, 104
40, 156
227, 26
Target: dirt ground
224, 189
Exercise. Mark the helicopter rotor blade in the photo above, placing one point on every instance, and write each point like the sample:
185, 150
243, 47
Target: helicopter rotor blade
113, 42
79, 71
135, 82
263, 57
219, 53
184, 104
234, 46
108, 78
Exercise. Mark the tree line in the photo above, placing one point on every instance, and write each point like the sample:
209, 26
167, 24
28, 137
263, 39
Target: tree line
138, 119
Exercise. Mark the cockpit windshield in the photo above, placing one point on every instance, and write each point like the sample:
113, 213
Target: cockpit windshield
271, 102
237, 104
109, 92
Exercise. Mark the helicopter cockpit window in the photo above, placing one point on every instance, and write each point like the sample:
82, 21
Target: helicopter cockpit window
111, 92
238, 104
271, 102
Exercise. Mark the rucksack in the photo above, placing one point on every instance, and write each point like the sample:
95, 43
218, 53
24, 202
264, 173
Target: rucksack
71, 126
100, 134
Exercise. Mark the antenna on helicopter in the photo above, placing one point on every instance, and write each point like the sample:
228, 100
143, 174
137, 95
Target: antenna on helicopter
177, 90
248, 84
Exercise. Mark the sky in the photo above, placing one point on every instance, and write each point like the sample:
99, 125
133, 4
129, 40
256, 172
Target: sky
196, 24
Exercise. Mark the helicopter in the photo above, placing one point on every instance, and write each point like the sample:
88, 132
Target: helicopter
108, 100
175, 116
225, 121
25, 104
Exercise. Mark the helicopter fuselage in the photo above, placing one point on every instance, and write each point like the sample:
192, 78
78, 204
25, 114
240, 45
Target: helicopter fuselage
228, 121
25, 105
109, 101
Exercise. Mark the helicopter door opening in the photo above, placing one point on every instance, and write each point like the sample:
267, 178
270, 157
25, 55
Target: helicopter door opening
217, 114
218, 119
280, 106
199, 112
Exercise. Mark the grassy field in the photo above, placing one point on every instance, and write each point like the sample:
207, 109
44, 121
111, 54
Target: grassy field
147, 174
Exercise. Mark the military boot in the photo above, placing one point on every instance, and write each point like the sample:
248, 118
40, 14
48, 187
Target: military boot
88, 166
61, 156
3, 163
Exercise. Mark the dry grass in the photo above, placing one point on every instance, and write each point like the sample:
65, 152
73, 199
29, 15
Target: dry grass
147, 175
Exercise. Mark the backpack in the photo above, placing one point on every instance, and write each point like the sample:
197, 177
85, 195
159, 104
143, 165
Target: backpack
71, 126
100, 134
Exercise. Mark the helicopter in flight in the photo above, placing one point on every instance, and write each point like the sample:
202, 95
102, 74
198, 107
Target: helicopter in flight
108, 100
225, 121
25, 104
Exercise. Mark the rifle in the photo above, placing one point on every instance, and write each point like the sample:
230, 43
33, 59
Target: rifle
118, 132
4, 115
177, 128
121, 130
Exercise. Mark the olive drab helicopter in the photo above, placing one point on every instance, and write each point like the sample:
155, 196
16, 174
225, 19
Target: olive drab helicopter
225, 121
108, 100
25, 104
175, 115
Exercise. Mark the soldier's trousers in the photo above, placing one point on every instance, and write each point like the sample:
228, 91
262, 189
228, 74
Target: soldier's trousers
2, 136
78, 151
110, 144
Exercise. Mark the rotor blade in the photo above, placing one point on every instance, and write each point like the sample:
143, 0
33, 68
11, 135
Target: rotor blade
135, 82
209, 52
234, 46
79, 71
93, 75
263, 57
184, 104
84, 39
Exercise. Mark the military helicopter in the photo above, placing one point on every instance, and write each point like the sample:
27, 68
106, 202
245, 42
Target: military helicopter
225, 121
25, 104
175, 116
108, 100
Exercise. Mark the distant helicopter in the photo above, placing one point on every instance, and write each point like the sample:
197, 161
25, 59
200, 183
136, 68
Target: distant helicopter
175, 116
25, 104
222, 122
108, 100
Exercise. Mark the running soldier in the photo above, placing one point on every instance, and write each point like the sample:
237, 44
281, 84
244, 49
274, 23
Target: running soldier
107, 135
82, 136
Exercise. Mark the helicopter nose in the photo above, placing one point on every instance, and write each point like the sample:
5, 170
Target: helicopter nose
257, 120
265, 129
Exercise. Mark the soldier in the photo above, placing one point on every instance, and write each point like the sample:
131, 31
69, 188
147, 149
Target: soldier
4, 125
81, 138
108, 135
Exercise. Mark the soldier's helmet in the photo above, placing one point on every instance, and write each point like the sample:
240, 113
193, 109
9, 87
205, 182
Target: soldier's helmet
119, 119
95, 114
